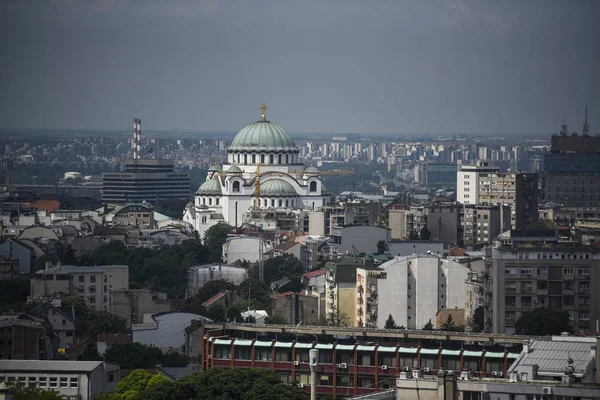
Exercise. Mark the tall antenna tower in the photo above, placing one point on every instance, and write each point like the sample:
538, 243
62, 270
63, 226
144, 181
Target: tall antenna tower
564, 128
586, 127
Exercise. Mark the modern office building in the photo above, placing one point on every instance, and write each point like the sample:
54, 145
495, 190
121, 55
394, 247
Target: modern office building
433, 174
533, 268
149, 180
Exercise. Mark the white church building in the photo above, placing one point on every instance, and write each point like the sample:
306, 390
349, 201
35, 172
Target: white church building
262, 154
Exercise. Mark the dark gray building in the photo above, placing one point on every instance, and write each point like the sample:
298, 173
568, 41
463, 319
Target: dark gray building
148, 180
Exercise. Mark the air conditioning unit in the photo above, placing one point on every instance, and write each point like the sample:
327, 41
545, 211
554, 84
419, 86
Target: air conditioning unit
546, 390
384, 367
296, 362
415, 374
500, 374
407, 368
426, 369
344, 365
465, 376
210, 356
494, 373
301, 385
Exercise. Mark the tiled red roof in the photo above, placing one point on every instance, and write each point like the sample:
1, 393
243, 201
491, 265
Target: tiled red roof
214, 298
282, 295
110, 338
313, 274
286, 246
457, 252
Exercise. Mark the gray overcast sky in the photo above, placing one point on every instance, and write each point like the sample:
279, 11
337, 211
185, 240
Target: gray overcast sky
485, 66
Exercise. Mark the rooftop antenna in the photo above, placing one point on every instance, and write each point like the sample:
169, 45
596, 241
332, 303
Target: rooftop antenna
564, 128
586, 127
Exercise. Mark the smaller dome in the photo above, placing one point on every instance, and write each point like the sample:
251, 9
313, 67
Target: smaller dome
210, 187
277, 187
311, 170
189, 205
215, 168
234, 170
203, 206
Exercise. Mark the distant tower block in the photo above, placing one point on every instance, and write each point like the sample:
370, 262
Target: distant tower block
134, 141
139, 138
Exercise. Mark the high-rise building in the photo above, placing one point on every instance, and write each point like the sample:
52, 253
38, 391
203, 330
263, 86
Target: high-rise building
533, 268
149, 180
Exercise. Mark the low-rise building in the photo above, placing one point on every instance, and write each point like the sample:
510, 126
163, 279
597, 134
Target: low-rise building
62, 320
200, 274
81, 380
25, 338
297, 308
133, 305
93, 284
482, 224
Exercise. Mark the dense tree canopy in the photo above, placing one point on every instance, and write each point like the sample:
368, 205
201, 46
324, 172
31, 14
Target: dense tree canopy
21, 392
90, 322
428, 326
214, 239
543, 321
278, 267
162, 270
133, 355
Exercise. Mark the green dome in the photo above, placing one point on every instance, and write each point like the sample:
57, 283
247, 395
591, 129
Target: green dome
214, 168
210, 187
277, 187
263, 136
311, 170
234, 170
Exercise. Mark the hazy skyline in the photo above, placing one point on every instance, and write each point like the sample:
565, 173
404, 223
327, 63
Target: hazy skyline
487, 66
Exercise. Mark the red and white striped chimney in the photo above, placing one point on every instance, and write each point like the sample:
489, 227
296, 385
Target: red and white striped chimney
134, 141
139, 139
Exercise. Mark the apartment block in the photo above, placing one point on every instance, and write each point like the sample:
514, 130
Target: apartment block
484, 223
533, 268
93, 284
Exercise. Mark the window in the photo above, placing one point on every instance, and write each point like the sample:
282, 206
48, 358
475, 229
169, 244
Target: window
279, 158
568, 270
53, 382
262, 158
271, 159
32, 381
584, 271
253, 158
64, 382
313, 186
236, 186
93, 279
110, 377
584, 316
74, 382
81, 278
69, 334
510, 271
64, 322
526, 271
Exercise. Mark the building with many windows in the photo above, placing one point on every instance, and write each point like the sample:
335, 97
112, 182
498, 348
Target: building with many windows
149, 180
74, 380
533, 268
93, 284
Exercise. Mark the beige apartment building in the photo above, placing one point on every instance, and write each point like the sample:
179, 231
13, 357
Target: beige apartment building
93, 284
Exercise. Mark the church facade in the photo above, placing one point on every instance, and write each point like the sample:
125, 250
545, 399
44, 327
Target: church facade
263, 176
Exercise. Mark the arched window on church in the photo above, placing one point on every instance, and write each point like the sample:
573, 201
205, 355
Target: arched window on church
253, 158
279, 159
236, 186
271, 159
287, 161
238, 158
217, 201
210, 201
245, 159
313, 186
204, 200
266, 203
262, 158
287, 203
204, 219
280, 202
272, 202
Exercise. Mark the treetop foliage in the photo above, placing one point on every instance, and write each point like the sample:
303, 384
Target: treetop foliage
543, 321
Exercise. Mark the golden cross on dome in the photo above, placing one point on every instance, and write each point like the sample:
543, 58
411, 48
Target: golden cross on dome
263, 108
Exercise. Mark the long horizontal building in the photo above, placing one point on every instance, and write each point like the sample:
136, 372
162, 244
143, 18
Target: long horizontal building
149, 180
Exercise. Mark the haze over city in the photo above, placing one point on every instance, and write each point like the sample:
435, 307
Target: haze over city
390, 67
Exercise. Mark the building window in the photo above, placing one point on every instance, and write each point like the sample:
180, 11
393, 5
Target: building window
253, 158
279, 158
245, 159
217, 201
313, 186
568, 270
110, 377
271, 159
81, 278
64, 382
287, 161
236, 186
93, 279
74, 383
584, 316
584, 271
53, 382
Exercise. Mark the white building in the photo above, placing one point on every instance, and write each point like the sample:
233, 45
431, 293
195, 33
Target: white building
261, 153
467, 181
414, 288
240, 248
82, 380
200, 274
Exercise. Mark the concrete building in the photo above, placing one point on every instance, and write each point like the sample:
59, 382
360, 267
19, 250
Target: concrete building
315, 252
133, 305
414, 288
533, 268
150, 180
408, 247
16, 250
93, 284
82, 380
62, 320
297, 308
26, 338
435, 174
443, 222
405, 220
340, 290
467, 181
240, 248
200, 274
482, 224
131, 216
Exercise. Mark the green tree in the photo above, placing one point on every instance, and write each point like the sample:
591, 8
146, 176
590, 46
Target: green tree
214, 238
90, 353
381, 247
134, 355
390, 323
173, 358
448, 325
21, 392
476, 322
542, 224
428, 326
278, 267
543, 321
424, 234
413, 235
90, 322
275, 319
